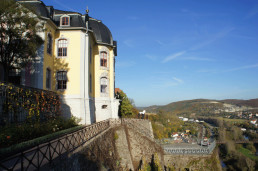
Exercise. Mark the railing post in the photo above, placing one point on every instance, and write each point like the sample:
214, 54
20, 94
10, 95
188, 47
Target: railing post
50, 157
22, 162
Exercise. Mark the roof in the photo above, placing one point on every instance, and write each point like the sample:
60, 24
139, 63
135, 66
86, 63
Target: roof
36, 6
100, 30
117, 90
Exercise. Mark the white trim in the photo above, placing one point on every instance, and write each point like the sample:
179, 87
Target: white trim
106, 50
104, 75
56, 45
65, 15
67, 80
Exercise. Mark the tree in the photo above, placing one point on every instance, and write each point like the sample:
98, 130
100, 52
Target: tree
19, 40
125, 107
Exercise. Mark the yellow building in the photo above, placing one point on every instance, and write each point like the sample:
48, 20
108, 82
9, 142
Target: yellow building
77, 60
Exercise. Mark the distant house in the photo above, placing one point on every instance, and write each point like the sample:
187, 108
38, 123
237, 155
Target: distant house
174, 135
196, 120
187, 131
180, 117
253, 121
185, 119
243, 129
191, 120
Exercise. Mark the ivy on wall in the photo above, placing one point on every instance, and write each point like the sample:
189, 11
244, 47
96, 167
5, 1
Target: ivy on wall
20, 104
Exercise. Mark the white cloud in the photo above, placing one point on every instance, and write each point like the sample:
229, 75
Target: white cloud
242, 68
173, 56
229, 70
217, 36
64, 6
178, 80
197, 59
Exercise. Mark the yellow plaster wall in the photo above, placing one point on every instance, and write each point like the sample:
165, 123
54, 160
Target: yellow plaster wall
99, 70
92, 67
71, 63
48, 61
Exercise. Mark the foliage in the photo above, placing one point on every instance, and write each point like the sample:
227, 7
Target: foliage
235, 160
165, 123
36, 104
145, 166
37, 141
251, 147
115, 136
19, 39
157, 166
14, 134
126, 108
248, 153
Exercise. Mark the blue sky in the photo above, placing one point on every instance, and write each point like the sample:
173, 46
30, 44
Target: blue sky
171, 50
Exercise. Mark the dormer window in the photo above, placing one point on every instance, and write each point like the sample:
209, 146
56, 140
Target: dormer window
65, 21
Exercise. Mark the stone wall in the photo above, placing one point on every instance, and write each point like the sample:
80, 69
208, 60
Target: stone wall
193, 162
118, 148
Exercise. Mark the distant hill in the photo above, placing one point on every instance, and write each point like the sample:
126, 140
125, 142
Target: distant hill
251, 102
205, 106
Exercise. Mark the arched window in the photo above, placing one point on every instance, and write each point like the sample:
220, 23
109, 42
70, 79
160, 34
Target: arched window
48, 79
103, 59
61, 80
65, 21
62, 48
103, 85
49, 44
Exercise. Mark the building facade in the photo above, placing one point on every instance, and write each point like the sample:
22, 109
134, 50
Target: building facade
77, 60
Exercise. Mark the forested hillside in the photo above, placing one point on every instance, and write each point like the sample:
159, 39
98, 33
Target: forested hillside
206, 106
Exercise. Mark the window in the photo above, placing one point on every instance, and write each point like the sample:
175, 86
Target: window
62, 48
49, 44
103, 59
65, 21
103, 85
104, 106
48, 79
61, 80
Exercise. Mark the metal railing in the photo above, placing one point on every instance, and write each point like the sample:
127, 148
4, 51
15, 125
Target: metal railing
191, 151
43, 154
36, 157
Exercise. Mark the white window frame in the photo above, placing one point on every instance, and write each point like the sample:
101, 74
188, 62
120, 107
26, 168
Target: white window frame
106, 50
104, 75
57, 44
61, 19
57, 80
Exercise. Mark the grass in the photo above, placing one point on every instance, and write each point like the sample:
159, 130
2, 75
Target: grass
248, 153
232, 120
